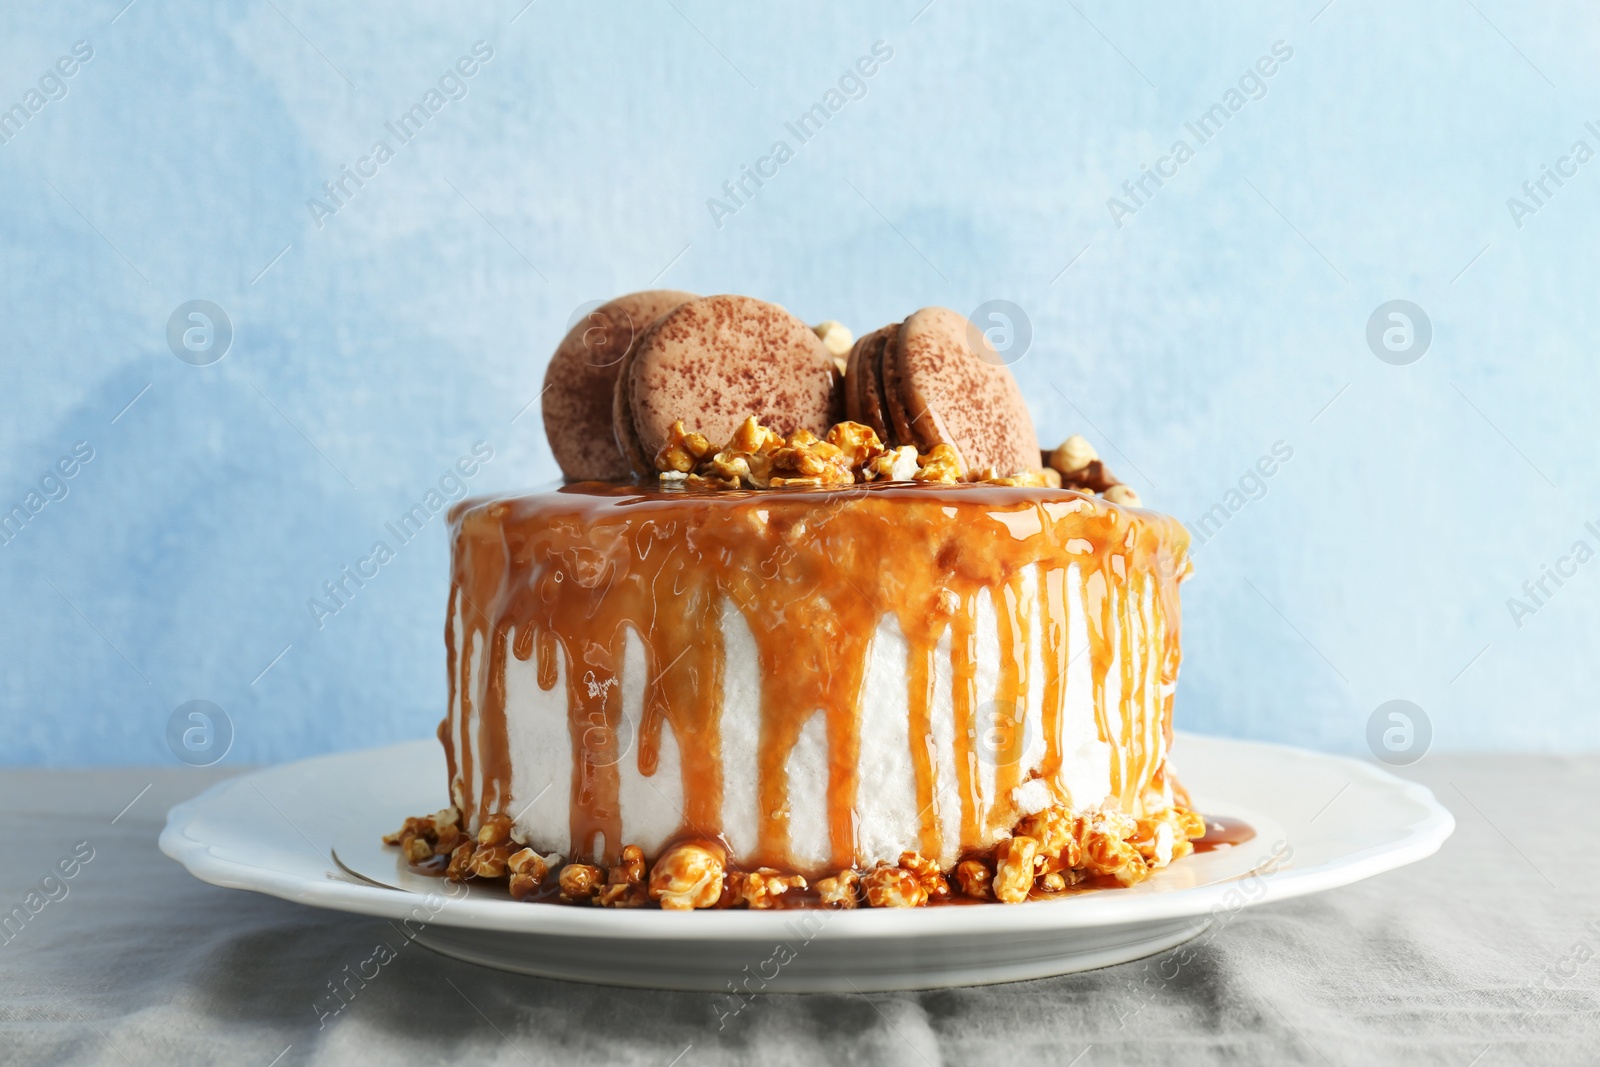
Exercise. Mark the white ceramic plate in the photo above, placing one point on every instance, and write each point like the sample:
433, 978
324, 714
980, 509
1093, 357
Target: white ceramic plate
309, 832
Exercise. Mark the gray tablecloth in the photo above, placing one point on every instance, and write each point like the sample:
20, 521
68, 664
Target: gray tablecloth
1482, 955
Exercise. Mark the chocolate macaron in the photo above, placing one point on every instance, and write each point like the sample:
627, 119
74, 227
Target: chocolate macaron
934, 379
715, 361
863, 392
582, 376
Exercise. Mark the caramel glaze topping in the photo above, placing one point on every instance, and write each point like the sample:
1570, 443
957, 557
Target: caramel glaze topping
568, 572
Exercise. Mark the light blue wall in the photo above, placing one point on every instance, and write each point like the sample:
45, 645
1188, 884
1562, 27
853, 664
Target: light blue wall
1227, 313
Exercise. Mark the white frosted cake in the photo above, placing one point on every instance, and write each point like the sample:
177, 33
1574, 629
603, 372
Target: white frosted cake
797, 669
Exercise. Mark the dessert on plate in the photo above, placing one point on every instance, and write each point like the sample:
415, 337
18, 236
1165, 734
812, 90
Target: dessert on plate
810, 623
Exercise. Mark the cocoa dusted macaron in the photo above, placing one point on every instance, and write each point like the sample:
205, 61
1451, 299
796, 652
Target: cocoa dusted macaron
715, 361
935, 379
580, 381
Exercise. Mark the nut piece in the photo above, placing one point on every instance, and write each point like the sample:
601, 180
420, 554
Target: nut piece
1073, 454
843, 890
807, 461
753, 437
893, 887
625, 886
622, 896
1014, 868
688, 875
1122, 494
682, 449
976, 879
836, 337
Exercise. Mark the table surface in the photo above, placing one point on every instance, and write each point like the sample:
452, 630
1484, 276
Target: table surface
1481, 955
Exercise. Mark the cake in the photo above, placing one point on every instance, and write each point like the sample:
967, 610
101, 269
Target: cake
851, 639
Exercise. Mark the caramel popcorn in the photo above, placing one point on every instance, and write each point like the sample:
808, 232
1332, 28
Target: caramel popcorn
858, 443
1167, 835
449, 838
1056, 830
1106, 851
1036, 478
1014, 868
683, 450
496, 830
625, 884
528, 870
579, 882
460, 859
760, 888
805, 459
489, 861
756, 457
1052, 849
751, 437
843, 890
941, 464
423, 837
975, 879
688, 875
896, 465
893, 887
622, 896
927, 874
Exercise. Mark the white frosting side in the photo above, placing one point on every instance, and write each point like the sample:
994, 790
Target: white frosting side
541, 755
808, 795
741, 731
886, 803
652, 808
474, 693
1085, 759
947, 790
887, 815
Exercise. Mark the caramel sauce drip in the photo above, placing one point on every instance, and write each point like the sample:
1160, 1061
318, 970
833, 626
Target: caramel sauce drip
1054, 612
564, 576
